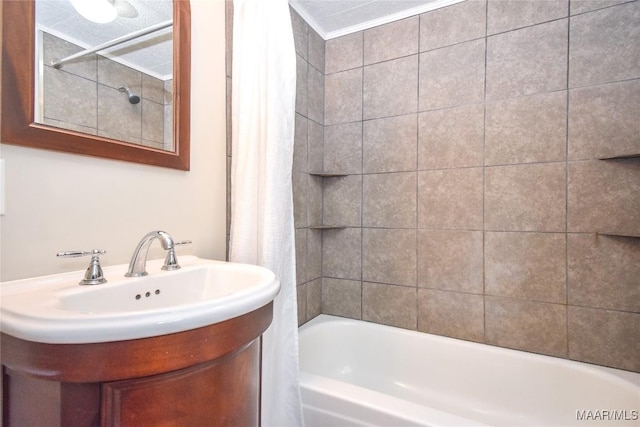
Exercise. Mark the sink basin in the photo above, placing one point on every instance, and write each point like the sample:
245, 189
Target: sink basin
55, 309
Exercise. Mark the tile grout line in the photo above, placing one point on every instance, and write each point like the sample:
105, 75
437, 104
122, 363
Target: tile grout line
417, 304
484, 172
566, 183
362, 182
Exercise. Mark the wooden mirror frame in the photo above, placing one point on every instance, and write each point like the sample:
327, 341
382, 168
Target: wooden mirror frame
18, 95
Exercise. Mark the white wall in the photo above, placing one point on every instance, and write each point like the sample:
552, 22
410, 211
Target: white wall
58, 201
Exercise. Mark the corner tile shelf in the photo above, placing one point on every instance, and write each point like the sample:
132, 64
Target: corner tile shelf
328, 175
614, 234
622, 157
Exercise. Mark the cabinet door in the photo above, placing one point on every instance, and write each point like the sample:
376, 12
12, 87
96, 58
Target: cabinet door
224, 392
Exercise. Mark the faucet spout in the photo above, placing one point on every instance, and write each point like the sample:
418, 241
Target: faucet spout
138, 264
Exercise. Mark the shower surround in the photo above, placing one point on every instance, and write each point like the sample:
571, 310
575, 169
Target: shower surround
471, 137
83, 96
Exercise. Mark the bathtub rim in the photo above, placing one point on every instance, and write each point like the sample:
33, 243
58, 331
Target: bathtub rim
630, 377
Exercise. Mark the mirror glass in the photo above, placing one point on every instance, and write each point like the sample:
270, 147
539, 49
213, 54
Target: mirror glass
105, 67
112, 83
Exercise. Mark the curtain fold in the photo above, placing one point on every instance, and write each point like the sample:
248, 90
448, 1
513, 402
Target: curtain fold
262, 229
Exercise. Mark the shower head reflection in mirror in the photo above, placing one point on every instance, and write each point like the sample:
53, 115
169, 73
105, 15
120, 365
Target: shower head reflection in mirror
133, 99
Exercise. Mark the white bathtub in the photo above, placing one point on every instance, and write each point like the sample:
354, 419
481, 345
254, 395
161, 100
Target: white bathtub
354, 373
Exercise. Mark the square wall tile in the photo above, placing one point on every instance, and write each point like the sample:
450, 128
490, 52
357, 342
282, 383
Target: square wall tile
56, 48
530, 266
582, 6
389, 256
316, 50
344, 53
342, 201
314, 298
342, 298
603, 196
509, 15
301, 130
301, 86
115, 118
450, 199
314, 254
168, 129
604, 46
451, 138
391, 88
115, 74
391, 41
315, 95
453, 24
343, 148
450, 260
71, 126
343, 102
604, 272
526, 325
389, 305
152, 121
299, 185
315, 147
390, 144
389, 200
152, 89
80, 105
610, 338
526, 130
527, 61
301, 296
525, 197
604, 120
300, 34
452, 75
451, 314
314, 200
342, 253
301, 256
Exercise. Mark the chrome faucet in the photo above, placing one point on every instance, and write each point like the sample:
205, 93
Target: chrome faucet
137, 266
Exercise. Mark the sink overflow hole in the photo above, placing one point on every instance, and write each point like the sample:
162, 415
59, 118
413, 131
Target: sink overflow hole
148, 294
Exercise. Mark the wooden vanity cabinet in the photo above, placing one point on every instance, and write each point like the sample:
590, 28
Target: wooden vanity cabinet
208, 376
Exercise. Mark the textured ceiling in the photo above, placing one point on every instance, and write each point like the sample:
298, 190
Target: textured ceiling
151, 54
334, 18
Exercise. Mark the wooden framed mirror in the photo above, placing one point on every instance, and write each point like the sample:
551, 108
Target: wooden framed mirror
19, 92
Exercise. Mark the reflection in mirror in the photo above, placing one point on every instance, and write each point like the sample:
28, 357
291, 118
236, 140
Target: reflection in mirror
118, 89
112, 78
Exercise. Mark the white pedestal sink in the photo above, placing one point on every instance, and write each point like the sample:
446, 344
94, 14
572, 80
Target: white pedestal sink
55, 309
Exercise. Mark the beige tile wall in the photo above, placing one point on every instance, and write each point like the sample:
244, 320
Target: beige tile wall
308, 156
472, 136
84, 96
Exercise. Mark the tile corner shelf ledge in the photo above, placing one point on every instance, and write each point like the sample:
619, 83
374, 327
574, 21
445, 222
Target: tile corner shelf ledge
622, 157
614, 234
328, 174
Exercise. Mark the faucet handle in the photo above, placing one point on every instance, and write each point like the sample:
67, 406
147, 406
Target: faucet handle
171, 261
93, 275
